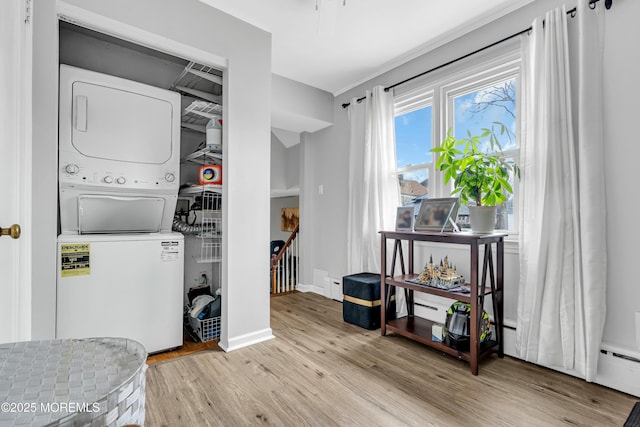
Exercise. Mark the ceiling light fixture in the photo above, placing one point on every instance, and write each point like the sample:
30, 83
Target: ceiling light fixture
327, 13
344, 3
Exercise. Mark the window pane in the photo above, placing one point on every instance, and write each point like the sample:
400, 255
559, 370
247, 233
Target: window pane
413, 137
482, 108
414, 187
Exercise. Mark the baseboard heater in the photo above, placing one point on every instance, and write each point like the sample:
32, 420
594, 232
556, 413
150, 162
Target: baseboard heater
620, 355
430, 307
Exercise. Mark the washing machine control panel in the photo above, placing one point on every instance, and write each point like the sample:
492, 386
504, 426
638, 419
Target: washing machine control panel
71, 168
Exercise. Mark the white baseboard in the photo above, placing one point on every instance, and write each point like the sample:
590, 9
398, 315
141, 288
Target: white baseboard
246, 340
311, 288
617, 368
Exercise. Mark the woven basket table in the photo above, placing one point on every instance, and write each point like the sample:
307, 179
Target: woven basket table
72, 382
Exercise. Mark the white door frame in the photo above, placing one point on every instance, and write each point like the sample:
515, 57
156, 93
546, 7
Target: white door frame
16, 48
78, 16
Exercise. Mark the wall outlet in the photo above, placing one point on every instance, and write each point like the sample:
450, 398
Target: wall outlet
336, 289
203, 278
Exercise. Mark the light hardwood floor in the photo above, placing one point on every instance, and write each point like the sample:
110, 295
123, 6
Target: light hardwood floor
322, 371
188, 347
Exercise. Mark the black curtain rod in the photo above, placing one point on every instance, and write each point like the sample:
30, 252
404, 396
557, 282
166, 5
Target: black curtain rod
607, 4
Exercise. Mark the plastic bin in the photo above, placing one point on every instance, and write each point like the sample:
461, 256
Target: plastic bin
206, 329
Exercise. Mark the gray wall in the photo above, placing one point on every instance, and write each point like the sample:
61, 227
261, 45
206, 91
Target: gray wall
44, 172
285, 165
621, 92
285, 175
91, 53
299, 107
325, 160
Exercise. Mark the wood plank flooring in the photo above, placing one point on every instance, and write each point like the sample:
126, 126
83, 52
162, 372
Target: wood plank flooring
321, 371
188, 347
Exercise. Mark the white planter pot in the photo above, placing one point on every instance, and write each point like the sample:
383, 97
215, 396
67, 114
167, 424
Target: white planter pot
483, 219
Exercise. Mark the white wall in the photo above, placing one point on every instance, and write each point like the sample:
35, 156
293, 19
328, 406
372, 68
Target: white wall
324, 228
184, 27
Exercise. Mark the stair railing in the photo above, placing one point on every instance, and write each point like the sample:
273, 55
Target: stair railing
284, 265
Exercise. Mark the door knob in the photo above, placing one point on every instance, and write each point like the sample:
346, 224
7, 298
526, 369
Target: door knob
13, 231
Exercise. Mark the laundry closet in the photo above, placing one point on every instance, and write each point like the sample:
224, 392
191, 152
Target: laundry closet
140, 230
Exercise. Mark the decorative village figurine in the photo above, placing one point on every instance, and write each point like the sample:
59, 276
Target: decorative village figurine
444, 276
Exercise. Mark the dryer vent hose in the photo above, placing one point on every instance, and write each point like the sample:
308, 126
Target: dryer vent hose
183, 227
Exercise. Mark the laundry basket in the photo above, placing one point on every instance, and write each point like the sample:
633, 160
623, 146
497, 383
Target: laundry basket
206, 329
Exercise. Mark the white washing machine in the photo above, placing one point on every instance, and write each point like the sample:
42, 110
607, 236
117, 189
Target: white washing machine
121, 286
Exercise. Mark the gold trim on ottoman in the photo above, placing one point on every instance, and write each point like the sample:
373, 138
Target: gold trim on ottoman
364, 302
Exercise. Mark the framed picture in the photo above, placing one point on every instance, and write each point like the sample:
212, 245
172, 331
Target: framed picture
404, 219
289, 219
435, 213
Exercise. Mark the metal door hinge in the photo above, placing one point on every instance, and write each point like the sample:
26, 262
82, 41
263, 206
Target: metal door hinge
27, 11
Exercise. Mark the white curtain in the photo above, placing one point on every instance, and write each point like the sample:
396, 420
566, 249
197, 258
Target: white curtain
561, 301
373, 185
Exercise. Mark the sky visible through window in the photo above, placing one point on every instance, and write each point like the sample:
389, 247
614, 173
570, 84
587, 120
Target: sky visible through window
473, 111
483, 108
413, 137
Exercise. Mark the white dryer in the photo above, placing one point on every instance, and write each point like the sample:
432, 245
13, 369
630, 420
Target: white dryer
119, 154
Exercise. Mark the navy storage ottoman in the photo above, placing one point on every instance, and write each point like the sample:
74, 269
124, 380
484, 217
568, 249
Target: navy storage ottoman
361, 301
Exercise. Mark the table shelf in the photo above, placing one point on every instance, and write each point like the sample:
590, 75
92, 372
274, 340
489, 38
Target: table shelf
401, 281
487, 282
419, 329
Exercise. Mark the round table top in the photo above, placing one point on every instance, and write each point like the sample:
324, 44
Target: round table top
45, 382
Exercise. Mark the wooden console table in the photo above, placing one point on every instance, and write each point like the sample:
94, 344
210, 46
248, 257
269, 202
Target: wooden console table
419, 329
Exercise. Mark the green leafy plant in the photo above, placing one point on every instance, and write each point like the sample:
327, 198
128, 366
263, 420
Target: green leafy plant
478, 175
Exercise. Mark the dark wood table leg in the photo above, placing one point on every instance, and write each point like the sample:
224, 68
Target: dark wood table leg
474, 344
499, 296
383, 284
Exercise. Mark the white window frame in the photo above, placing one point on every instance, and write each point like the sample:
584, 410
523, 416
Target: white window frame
409, 103
441, 87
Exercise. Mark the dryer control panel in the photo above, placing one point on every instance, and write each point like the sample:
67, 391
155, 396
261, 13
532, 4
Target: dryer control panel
109, 177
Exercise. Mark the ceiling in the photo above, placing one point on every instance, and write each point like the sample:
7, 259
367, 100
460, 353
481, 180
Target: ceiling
347, 42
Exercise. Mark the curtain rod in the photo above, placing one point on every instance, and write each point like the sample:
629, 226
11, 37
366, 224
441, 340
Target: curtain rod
607, 4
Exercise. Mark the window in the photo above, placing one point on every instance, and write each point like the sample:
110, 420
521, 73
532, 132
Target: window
413, 155
467, 99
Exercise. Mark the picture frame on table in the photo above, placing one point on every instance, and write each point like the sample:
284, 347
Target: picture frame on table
405, 218
437, 215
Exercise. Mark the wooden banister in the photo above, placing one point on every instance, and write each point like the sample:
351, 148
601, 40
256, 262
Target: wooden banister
276, 260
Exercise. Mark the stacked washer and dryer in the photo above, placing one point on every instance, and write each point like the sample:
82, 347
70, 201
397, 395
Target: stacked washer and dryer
120, 268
